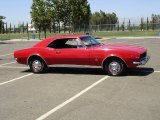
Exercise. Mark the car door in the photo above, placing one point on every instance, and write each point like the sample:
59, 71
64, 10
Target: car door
72, 52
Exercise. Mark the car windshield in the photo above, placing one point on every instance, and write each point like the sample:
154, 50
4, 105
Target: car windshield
90, 41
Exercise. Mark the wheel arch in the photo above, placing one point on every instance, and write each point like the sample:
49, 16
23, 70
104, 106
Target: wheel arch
113, 57
35, 56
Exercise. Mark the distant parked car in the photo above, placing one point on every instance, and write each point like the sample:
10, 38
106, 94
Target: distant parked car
81, 50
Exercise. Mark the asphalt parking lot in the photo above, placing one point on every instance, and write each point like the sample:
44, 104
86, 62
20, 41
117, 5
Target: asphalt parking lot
70, 93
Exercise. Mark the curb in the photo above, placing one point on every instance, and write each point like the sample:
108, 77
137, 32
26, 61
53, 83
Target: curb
144, 37
103, 38
19, 40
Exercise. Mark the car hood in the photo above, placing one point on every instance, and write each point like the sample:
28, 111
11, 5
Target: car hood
123, 47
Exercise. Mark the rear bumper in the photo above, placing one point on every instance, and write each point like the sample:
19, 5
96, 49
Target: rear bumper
143, 61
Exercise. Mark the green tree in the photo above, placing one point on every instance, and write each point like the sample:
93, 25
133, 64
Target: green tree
142, 24
79, 13
153, 23
123, 26
117, 25
69, 12
129, 25
41, 15
52, 6
65, 10
96, 18
1, 24
99, 18
156, 18
10, 28
114, 20
147, 24
61, 13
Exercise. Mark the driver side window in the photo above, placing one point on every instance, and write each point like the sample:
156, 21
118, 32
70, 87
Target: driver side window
65, 44
71, 43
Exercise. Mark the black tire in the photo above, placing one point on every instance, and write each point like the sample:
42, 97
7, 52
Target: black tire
37, 65
115, 67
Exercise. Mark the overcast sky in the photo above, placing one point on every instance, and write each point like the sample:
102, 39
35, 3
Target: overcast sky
17, 11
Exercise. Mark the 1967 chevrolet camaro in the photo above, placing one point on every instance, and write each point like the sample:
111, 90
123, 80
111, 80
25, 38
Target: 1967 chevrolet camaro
81, 50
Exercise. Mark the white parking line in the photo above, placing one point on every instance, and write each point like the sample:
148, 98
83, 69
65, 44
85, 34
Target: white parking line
151, 71
71, 99
12, 67
3, 83
7, 63
6, 55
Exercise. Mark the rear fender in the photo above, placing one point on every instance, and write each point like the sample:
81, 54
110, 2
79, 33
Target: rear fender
33, 56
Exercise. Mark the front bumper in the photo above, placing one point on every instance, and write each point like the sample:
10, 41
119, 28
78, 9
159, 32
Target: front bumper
143, 61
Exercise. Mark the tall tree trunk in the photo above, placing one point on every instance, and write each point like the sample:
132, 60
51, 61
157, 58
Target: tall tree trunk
10, 28
39, 32
45, 36
64, 27
14, 29
147, 24
153, 26
6, 29
59, 27
23, 27
3, 29
50, 29
53, 27
27, 31
0, 27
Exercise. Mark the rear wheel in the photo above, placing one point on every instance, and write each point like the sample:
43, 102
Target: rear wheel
114, 67
37, 65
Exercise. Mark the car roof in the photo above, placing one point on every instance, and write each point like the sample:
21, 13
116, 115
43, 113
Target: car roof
47, 41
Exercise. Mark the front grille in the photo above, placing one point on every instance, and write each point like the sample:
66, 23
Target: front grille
143, 55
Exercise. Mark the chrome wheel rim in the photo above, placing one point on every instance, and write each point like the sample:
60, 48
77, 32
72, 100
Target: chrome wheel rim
37, 66
114, 68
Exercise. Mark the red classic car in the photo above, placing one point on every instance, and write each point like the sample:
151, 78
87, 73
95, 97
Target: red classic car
81, 50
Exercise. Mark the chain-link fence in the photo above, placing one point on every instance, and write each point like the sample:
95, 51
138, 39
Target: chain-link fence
124, 29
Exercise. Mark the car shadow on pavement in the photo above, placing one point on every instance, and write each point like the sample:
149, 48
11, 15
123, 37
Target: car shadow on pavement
72, 70
95, 71
140, 71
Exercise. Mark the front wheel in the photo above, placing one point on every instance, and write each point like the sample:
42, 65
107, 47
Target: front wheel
37, 65
114, 67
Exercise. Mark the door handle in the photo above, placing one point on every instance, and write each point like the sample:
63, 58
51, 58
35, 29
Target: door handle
58, 52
